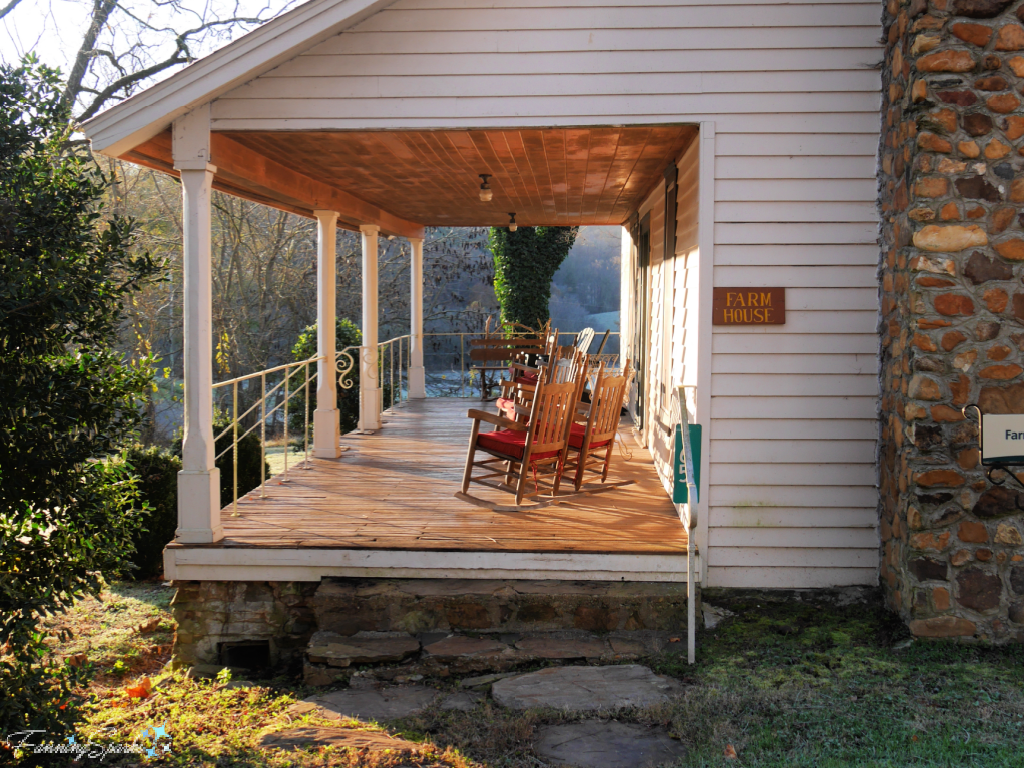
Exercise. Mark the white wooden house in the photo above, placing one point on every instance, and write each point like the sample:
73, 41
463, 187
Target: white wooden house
758, 122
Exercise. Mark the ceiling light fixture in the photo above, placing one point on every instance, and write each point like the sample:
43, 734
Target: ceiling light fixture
486, 193
512, 226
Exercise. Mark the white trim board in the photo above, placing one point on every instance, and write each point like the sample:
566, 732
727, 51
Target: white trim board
182, 563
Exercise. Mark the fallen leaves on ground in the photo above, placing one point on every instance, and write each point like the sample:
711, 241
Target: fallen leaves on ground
141, 690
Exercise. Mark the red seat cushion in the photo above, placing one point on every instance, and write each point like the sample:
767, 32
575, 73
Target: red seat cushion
526, 378
577, 435
509, 442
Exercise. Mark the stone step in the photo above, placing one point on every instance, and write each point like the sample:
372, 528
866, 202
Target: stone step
402, 656
415, 606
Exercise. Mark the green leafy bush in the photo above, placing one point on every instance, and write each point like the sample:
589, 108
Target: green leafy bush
525, 263
347, 334
157, 473
69, 399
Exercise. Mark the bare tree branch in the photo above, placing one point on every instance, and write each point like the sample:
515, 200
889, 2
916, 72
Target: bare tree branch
101, 11
127, 81
8, 8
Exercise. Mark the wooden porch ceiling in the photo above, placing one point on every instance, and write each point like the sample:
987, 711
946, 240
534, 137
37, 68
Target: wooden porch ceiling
562, 176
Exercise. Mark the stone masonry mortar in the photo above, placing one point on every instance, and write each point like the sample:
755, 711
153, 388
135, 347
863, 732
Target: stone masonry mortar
951, 203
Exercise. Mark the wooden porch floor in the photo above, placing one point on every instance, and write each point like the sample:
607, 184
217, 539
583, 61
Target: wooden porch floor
394, 490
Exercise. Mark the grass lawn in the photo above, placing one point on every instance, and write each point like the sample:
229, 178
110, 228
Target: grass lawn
786, 684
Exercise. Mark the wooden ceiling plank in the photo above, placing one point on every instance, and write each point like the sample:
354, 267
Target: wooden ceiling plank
603, 144
533, 143
241, 166
517, 185
577, 157
518, 190
505, 197
525, 169
632, 146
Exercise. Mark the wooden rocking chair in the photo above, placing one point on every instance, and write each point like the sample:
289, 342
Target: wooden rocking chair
592, 435
565, 364
520, 453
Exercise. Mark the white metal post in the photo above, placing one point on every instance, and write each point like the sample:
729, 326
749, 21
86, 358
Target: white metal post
417, 377
326, 422
369, 378
199, 479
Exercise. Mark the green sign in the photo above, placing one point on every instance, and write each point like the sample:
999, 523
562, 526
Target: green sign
680, 494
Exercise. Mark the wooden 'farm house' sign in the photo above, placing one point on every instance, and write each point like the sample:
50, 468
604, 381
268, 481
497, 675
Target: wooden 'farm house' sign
748, 306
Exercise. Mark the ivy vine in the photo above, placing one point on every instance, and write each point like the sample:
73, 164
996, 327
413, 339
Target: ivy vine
525, 262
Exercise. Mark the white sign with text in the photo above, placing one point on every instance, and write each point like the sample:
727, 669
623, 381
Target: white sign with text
1002, 438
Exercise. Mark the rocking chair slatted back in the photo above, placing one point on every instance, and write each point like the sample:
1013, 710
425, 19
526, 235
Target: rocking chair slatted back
606, 403
600, 424
554, 406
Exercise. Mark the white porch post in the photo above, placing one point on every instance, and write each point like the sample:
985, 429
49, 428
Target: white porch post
326, 422
369, 384
417, 378
199, 479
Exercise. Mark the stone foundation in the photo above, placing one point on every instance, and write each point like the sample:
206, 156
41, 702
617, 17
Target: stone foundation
347, 606
211, 613
951, 198
286, 614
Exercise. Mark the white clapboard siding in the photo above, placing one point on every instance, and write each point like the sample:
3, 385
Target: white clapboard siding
813, 536
835, 277
791, 232
811, 496
795, 429
796, 343
623, 17
850, 65
794, 190
784, 384
781, 577
768, 475
581, 84
793, 93
797, 517
822, 451
825, 407
805, 255
790, 363
778, 212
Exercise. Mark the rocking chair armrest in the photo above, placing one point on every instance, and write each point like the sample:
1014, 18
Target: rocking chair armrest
523, 367
496, 420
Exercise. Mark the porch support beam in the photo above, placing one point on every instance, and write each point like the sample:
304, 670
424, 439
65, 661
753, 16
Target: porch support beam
199, 479
417, 376
369, 383
326, 421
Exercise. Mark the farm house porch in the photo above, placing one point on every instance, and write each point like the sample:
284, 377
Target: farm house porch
386, 508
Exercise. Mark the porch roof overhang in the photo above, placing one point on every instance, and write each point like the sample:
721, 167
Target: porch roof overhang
405, 180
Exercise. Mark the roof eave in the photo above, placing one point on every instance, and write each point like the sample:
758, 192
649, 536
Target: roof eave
141, 117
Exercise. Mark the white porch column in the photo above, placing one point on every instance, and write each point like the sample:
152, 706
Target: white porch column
417, 378
326, 422
369, 384
199, 479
